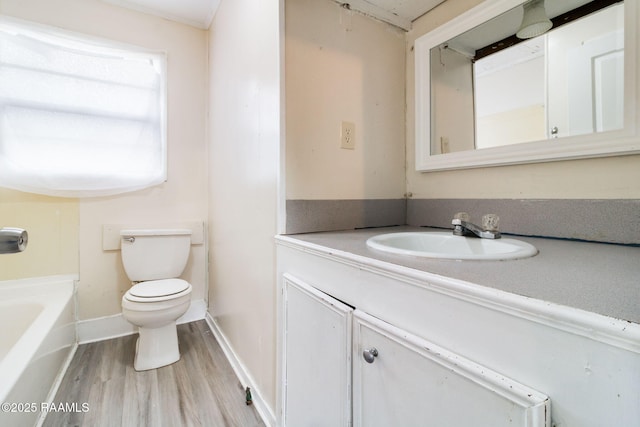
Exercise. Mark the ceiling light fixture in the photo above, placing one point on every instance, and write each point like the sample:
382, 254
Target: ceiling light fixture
535, 21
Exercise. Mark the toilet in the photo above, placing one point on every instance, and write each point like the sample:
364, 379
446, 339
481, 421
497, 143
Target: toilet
153, 259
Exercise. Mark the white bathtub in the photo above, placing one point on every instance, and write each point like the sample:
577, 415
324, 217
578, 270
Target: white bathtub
37, 337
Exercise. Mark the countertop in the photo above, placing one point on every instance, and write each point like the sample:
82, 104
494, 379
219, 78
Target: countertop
596, 277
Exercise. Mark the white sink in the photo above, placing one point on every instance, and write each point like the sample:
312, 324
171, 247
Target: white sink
444, 245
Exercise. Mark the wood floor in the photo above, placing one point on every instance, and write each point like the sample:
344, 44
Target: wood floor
200, 389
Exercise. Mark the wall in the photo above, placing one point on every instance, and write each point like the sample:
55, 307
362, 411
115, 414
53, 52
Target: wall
452, 80
606, 178
244, 162
342, 66
183, 196
331, 189
502, 119
52, 224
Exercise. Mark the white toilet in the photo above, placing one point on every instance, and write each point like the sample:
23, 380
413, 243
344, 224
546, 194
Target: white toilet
153, 259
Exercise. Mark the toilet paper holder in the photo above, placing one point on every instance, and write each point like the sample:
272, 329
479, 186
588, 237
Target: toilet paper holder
13, 240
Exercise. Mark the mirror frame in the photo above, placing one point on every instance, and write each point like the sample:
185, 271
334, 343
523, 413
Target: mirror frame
612, 143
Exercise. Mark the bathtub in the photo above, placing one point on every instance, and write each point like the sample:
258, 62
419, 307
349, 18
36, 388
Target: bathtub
37, 338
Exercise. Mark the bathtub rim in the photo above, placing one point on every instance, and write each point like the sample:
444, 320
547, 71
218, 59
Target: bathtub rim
54, 293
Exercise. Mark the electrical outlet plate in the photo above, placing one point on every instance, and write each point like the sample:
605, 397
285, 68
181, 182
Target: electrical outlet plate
444, 145
348, 135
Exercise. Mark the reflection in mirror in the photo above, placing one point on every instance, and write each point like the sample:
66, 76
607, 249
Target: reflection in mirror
589, 105
492, 88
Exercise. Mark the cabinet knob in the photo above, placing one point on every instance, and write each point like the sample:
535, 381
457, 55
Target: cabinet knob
369, 355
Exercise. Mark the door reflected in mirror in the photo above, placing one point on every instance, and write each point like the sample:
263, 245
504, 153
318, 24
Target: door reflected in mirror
566, 82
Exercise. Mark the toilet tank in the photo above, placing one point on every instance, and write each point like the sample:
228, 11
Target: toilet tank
153, 254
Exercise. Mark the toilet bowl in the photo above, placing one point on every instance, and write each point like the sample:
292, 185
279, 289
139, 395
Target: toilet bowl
155, 316
153, 259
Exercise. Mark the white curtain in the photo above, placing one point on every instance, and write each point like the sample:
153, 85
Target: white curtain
79, 117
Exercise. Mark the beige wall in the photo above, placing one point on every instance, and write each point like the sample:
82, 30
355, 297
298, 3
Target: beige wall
613, 177
52, 224
183, 196
452, 81
341, 65
244, 153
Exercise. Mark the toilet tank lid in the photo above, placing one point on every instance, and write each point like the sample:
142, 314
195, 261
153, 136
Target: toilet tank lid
155, 232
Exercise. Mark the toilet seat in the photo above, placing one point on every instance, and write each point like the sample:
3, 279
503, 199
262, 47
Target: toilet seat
158, 290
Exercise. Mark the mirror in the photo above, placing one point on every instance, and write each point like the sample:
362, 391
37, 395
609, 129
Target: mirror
487, 97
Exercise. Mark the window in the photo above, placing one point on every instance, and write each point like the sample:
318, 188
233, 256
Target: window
79, 117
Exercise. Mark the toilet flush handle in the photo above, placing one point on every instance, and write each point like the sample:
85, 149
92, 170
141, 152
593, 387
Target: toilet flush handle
129, 239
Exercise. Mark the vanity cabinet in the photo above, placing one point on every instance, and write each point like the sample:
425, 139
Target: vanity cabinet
317, 351
398, 378
447, 351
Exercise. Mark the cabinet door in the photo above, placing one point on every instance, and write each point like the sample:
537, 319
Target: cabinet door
317, 357
586, 74
407, 381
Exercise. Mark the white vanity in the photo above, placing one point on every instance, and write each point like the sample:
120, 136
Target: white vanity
368, 338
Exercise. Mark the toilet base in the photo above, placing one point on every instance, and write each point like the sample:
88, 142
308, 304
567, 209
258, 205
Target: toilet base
156, 347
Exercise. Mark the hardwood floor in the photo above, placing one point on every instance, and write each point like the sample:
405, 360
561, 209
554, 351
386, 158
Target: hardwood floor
200, 389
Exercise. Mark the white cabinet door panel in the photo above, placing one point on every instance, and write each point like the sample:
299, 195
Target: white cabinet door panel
412, 382
317, 352
585, 75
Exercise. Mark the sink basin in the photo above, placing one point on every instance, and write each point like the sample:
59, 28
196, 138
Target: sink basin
444, 245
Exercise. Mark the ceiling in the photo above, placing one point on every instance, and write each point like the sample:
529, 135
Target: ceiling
400, 13
397, 12
403, 12
197, 13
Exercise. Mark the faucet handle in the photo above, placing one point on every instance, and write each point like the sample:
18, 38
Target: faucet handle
490, 222
462, 216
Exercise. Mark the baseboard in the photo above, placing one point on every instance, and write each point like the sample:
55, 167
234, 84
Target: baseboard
103, 328
263, 409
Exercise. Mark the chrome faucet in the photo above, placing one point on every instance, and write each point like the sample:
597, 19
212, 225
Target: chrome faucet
463, 227
12, 240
